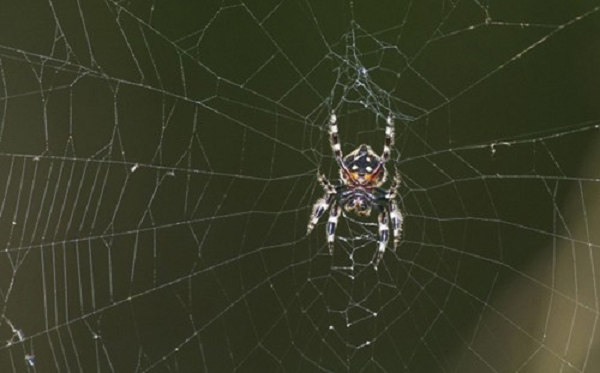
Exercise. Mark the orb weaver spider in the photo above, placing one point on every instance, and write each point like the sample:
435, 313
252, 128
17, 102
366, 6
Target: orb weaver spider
362, 173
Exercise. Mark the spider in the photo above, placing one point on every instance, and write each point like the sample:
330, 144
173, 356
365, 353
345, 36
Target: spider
362, 172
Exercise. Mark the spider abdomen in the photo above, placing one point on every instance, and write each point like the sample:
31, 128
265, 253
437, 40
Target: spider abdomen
363, 167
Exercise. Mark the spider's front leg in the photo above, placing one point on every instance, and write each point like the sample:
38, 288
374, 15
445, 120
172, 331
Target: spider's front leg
388, 211
336, 210
384, 234
396, 217
395, 214
322, 204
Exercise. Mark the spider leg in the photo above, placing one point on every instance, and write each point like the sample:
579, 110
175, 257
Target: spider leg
329, 188
334, 214
319, 208
396, 217
322, 204
389, 139
395, 214
335, 140
384, 235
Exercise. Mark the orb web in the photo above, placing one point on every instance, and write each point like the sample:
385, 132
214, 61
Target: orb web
159, 165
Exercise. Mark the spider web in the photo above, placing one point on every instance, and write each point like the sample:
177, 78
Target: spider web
159, 164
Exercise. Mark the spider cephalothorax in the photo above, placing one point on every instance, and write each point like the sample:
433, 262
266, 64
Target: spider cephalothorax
362, 172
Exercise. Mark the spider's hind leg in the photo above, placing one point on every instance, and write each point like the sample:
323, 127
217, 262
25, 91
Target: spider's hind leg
389, 139
334, 140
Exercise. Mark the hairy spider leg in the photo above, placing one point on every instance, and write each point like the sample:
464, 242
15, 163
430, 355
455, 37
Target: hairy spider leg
319, 208
334, 214
329, 188
322, 204
384, 234
335, 141
395, 214
387, 148
396, 217
389, 139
